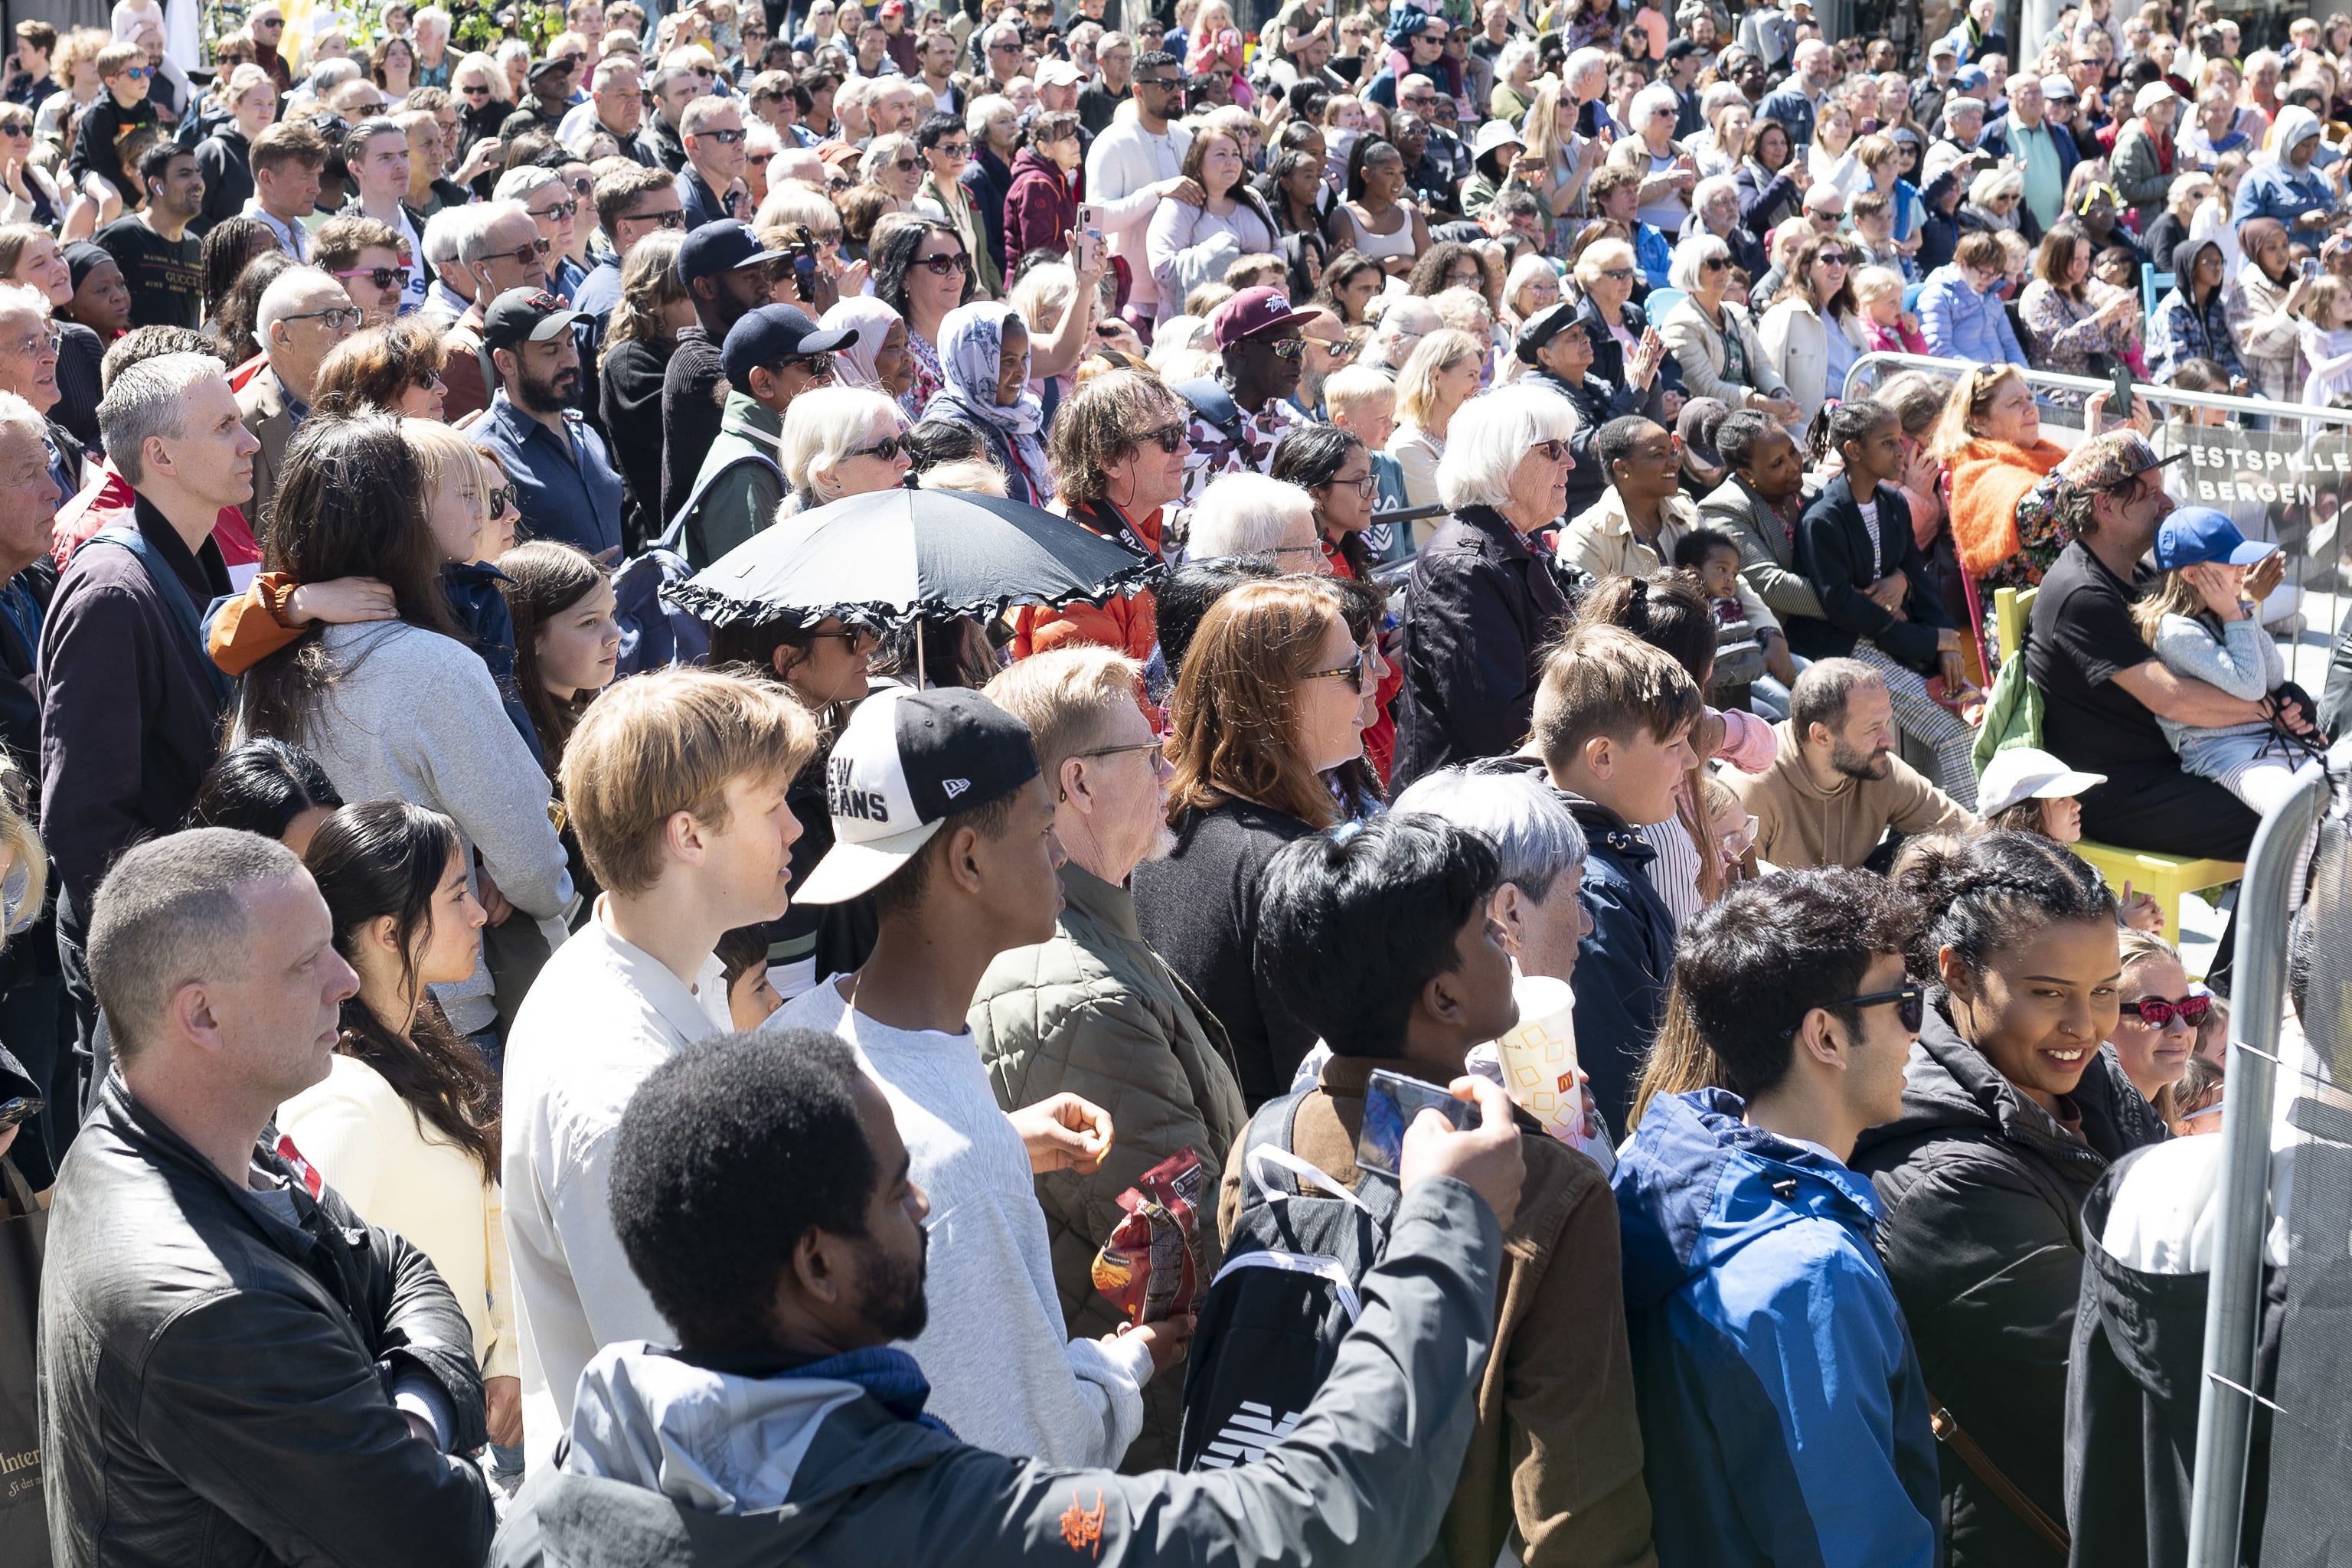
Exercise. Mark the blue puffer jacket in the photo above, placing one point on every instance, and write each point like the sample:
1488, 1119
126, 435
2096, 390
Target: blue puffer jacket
1961, 324
1783, 1416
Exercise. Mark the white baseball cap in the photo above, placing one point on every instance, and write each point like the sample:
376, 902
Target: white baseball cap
2022, 772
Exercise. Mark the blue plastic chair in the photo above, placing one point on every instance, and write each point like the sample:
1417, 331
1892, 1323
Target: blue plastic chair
2153, 286
1660, 301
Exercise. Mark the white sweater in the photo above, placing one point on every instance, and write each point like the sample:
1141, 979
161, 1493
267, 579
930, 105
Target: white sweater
363, 1138
601, 1016
1004, 1372
1121, 167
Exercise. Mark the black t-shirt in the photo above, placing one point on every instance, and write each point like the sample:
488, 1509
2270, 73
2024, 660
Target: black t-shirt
2082, 634
166, 277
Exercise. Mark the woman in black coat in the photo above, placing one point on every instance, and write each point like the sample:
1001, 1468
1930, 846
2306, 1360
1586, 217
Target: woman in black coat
1854, 562
2012, 1109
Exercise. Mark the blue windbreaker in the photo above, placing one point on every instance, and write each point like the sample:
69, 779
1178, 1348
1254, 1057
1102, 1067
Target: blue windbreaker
1783, 1416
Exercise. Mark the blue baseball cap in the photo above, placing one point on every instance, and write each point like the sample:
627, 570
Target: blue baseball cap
770, 333
2195, 534
721, 246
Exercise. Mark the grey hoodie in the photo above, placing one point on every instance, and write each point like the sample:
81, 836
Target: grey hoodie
669, 1464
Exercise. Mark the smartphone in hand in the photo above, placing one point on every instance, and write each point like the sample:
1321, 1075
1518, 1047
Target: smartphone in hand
1391, 1101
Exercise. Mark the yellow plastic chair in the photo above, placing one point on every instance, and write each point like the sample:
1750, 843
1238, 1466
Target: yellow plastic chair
2170, 878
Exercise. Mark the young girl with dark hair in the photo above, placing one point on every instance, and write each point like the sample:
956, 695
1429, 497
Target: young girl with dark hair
2010, 1112
405, 1123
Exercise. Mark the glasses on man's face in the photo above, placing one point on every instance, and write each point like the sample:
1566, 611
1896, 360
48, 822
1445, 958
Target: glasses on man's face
523, 255
816, 367
887, 448
1157, 83
382, 276
1288, 348
2158, 1013
724, 138
1366, 484
339, 318
40, 344
673, 218
270, 23
1420, 100
1352, 672
1910, 1004
1168, 438
951, 265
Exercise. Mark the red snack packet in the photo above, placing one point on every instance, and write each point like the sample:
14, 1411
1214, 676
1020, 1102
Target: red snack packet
1151, 1269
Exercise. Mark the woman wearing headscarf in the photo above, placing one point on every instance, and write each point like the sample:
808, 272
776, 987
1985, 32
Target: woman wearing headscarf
876, 357
985, 359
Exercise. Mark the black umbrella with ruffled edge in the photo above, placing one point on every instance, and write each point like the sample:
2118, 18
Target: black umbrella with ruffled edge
894, 556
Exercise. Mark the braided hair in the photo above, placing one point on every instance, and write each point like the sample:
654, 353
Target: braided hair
1984, 895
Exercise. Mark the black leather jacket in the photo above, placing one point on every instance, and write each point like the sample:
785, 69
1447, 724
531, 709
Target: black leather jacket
215, 1382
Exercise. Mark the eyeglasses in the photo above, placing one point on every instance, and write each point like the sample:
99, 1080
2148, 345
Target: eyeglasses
40, 344
959, 150
382, 276
1615, 275
1153, 746
1288, 348
341, 318
1366, 484
817, 367
724, 138
501, 497
887, 448
947, 266
1910, 1004
1168, 437
670, 219
2157, 1013
523, 255
1352, 672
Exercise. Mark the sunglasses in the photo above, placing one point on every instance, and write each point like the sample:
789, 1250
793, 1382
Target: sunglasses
523, 254
1288, 348
946, 265
382, 276
136, 73
501, 497
1551, 451
1910, 1004
888, 449
1832, 259
474, 92
1352, 672
1168, 437
819, 367
1164, 83
961, 150
724, 138
672, 219
431, 381
2157, 1013
1714, 264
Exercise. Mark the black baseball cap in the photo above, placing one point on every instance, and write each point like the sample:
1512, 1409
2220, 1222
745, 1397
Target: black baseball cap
721, 246
907, 760
525, 315
1542, 327
769, 334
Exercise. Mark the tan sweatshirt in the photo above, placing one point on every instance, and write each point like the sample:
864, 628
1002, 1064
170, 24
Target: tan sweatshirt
1800, 825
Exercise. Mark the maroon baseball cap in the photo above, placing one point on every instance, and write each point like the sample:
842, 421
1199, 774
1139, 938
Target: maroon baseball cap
1251, 312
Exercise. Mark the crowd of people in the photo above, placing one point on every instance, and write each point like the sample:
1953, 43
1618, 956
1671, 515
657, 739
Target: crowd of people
522, 1067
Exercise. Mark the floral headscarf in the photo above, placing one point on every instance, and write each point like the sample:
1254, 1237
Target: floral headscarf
870, 319
972, 345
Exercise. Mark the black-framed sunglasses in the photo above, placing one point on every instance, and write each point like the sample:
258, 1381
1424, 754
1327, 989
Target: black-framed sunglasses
2157, 1013
1352, 672
945, 266
1164, 83
1910, 1003
887, 448
501, 497
724, 138
818, 367
485, 92
1168, 438
671, 219
382, 276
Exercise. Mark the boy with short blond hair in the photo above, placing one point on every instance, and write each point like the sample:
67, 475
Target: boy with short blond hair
1362, 402
1611, 726
675, 783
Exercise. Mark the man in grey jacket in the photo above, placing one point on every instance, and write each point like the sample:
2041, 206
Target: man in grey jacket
763, 1195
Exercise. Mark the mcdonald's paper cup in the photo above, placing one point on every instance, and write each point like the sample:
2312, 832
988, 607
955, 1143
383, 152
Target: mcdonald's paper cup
1540, 1056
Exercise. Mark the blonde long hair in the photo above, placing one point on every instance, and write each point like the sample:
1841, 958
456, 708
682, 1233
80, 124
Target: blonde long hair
1971, 400
2172, 595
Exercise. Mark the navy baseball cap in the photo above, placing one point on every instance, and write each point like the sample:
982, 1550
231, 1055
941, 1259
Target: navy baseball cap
906, 762
721, 246
2195, 534
770, 333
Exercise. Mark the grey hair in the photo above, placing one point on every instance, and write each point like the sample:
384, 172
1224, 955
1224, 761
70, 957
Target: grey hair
1514, 54
285, 293
981, 111
519, 186
332, 74
1691, 255
1649, 99
149, 398
821, 428
21, 416
170, 913
1248, 514
1722, 95
700, 112
23, 297
1581, 61
1489, 436
1533, 832
880, 152
471, 250
451, 232
608, 70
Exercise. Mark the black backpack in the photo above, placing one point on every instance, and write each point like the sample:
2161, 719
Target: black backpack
1271, 1324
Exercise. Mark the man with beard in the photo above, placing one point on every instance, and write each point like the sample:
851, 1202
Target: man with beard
565, 486
1837, 786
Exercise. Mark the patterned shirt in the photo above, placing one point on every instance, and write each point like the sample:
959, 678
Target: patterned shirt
1213, 453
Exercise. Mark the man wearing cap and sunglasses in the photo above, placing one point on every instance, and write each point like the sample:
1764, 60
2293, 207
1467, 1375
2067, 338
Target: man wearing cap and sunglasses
771, 356
565, 486
1238, 417
727, 271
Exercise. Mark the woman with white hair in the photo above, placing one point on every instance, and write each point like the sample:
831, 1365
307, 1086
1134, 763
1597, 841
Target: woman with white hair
1667, 169
1483, 603
1713, 339
1541, 848
1996, 200
1515, 81
1437, 380
894, 167
840, 441
1532, 286
1250, 514
1714, 209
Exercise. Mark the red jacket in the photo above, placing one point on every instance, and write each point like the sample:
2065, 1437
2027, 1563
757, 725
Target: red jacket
108, 499
1040, 209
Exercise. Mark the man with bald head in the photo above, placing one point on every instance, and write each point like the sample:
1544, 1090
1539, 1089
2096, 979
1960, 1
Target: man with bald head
304, 313
230, 1353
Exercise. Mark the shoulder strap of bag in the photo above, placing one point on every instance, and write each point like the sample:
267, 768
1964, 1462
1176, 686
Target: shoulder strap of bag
1212, 403
1980, 1465
176, 594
